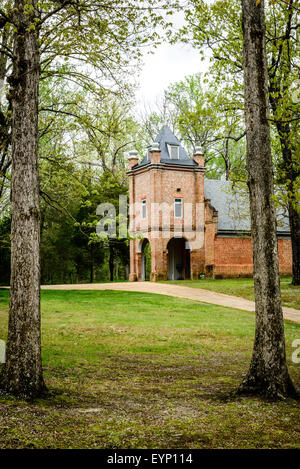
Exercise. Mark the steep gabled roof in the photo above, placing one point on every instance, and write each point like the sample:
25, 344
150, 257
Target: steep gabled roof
233, 208
165, 138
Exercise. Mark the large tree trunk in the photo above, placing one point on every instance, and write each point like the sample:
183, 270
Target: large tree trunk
268, 373
22, 373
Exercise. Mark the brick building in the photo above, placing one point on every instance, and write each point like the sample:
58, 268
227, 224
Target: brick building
191, 225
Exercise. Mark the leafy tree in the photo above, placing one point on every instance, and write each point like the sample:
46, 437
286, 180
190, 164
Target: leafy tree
268, 374
108, 131
216, 27
104, 35
201, 115
22, 372
118, 249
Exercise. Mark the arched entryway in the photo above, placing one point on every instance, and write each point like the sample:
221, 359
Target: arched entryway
179, 260
145, 260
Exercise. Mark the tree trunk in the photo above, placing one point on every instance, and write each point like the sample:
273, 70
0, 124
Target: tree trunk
92, 265
22, 373
268, 373
226, 158
111, 263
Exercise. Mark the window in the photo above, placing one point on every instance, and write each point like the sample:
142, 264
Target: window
177, 208
173, 152
144, 209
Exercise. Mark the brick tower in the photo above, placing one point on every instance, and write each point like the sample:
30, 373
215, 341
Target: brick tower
166, 192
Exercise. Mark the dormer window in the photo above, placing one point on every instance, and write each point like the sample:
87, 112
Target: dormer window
173, 152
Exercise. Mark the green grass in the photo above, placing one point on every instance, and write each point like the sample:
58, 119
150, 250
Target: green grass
243, 287
135, 370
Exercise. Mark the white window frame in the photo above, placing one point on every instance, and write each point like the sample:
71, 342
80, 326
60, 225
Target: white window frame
176, 202
144, 209
170, 147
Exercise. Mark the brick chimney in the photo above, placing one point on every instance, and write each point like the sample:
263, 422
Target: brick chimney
155, 153
133, 158
198, 156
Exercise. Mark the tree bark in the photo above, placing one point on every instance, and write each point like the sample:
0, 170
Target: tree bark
268, 374
126, 271
92, 264
111, 262
22, 373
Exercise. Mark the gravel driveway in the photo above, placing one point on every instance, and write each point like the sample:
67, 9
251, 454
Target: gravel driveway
197, 294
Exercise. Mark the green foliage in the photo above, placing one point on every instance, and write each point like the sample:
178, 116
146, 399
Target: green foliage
147, 255
204, 118
200, 114
71, 251
88, 51
215, 29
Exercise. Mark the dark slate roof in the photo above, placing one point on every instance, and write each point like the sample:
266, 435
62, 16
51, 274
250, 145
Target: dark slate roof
233, 208
164, 138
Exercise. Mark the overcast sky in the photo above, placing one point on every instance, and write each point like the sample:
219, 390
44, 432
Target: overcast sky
168, 64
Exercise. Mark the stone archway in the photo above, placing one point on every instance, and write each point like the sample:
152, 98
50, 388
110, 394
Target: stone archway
179, 261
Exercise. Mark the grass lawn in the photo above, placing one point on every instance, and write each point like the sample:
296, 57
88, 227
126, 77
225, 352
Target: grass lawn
135, 370
243, 287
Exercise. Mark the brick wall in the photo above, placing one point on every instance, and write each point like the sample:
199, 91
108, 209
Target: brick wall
233, 257
160, 185
216, 256
285, 256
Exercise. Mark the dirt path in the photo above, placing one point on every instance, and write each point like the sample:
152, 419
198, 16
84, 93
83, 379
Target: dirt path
197, 294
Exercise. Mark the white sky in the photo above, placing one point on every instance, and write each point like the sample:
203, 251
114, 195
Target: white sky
168, 64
